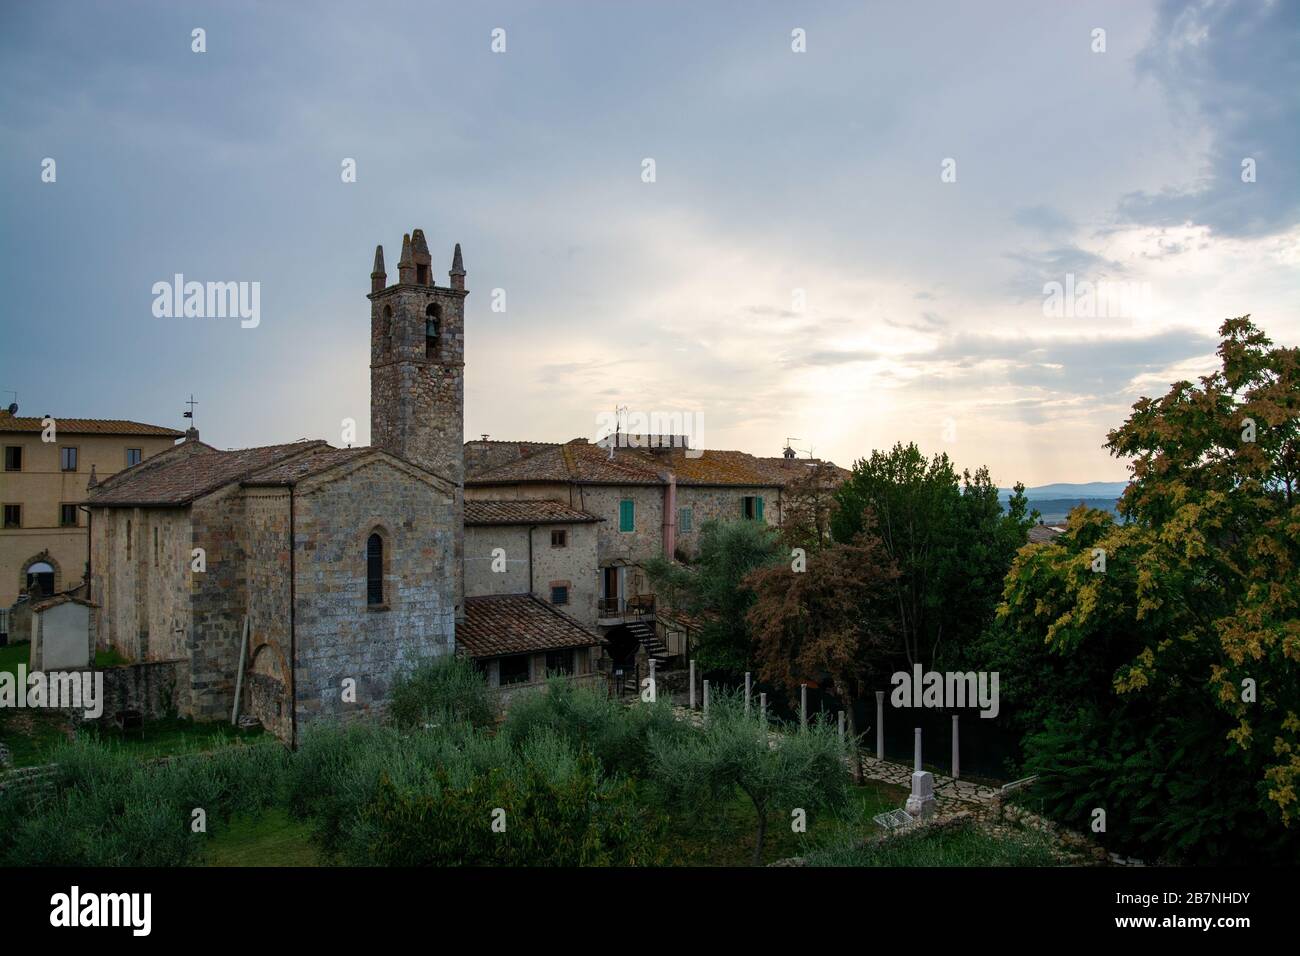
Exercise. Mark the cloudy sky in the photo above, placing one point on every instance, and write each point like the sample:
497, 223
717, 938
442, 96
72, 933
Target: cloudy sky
799, 267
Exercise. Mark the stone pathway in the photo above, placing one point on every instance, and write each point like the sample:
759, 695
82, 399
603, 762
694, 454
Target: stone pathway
946, 789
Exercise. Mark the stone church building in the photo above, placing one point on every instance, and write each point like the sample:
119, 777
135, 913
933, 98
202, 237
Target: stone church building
302, 578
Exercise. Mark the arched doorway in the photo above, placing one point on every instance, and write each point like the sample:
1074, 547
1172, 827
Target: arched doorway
39, 579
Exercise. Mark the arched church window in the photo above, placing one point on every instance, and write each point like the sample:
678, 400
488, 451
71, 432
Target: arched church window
432, 328
375, 569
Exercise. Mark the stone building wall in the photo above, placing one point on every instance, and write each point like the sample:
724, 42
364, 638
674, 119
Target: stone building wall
144, 604
338, 634
721, 504
574, 564
219, 602
480, 579
267, 672
645, 541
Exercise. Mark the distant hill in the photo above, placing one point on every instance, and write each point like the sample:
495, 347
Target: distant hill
1054, 502
1084, 489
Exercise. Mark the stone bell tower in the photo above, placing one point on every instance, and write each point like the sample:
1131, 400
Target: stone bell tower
417, 369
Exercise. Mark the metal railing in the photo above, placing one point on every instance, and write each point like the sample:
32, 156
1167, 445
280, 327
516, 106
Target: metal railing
637, 606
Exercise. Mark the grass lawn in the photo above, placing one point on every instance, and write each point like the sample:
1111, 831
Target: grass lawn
273, 839
172, 735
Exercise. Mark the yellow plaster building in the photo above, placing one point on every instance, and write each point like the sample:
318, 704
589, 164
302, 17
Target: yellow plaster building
43, 537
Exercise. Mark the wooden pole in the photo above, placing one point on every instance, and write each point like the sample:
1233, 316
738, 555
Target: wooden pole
803, 706
747, 688
762, 706
841, 728
692, 678
706, 698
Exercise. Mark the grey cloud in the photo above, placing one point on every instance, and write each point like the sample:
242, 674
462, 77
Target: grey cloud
1234, 67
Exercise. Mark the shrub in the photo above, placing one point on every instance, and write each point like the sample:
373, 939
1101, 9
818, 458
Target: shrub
107, 809
616, 734
554, 805
446, 689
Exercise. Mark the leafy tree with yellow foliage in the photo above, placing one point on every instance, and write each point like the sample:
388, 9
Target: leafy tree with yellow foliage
1163, 651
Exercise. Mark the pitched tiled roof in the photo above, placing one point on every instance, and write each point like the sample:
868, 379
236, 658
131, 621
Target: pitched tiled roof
86, 426
585, 463
517, 624
485, 455
180, 479
1040, 533
293, 471
523, 511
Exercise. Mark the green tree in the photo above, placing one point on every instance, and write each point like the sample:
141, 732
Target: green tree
713, 589
1190, 635
778, 772
825, 620
948, 536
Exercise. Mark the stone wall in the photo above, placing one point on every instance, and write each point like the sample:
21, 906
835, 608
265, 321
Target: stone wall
144, 609
721, 504
340, 636
157, 689
219, 602
480, 579
574, 564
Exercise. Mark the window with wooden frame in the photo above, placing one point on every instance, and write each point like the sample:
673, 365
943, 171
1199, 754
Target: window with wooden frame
559, 538
627, 515
68, 458
67, 516
13, 516
134, 456
13, 457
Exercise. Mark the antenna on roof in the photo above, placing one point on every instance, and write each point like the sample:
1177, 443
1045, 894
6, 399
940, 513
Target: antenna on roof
190, 414
13, 406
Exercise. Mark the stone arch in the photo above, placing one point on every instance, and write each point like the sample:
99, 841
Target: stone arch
268, 689
56, 572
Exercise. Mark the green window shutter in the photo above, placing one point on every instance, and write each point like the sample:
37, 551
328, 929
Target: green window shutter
758, 509
626, 515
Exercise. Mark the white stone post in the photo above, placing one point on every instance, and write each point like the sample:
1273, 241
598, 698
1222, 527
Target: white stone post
916, 748
956, 751
706, 698
880, 725
692, 684
654, 690
803, 706
747, 689
762, 706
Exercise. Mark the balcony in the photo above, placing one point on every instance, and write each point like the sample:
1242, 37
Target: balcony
616, 610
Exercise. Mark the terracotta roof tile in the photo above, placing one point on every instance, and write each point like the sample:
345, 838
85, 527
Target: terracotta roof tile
523, 511
180, 479
583, 462
87, 426
297, 469
517, 624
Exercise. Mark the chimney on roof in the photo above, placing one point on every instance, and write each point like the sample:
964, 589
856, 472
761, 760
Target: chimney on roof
191, 434
378, 277
457, 270
406, 265
92, 481
788, 453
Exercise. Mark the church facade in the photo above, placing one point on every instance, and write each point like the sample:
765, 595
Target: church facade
301, 579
